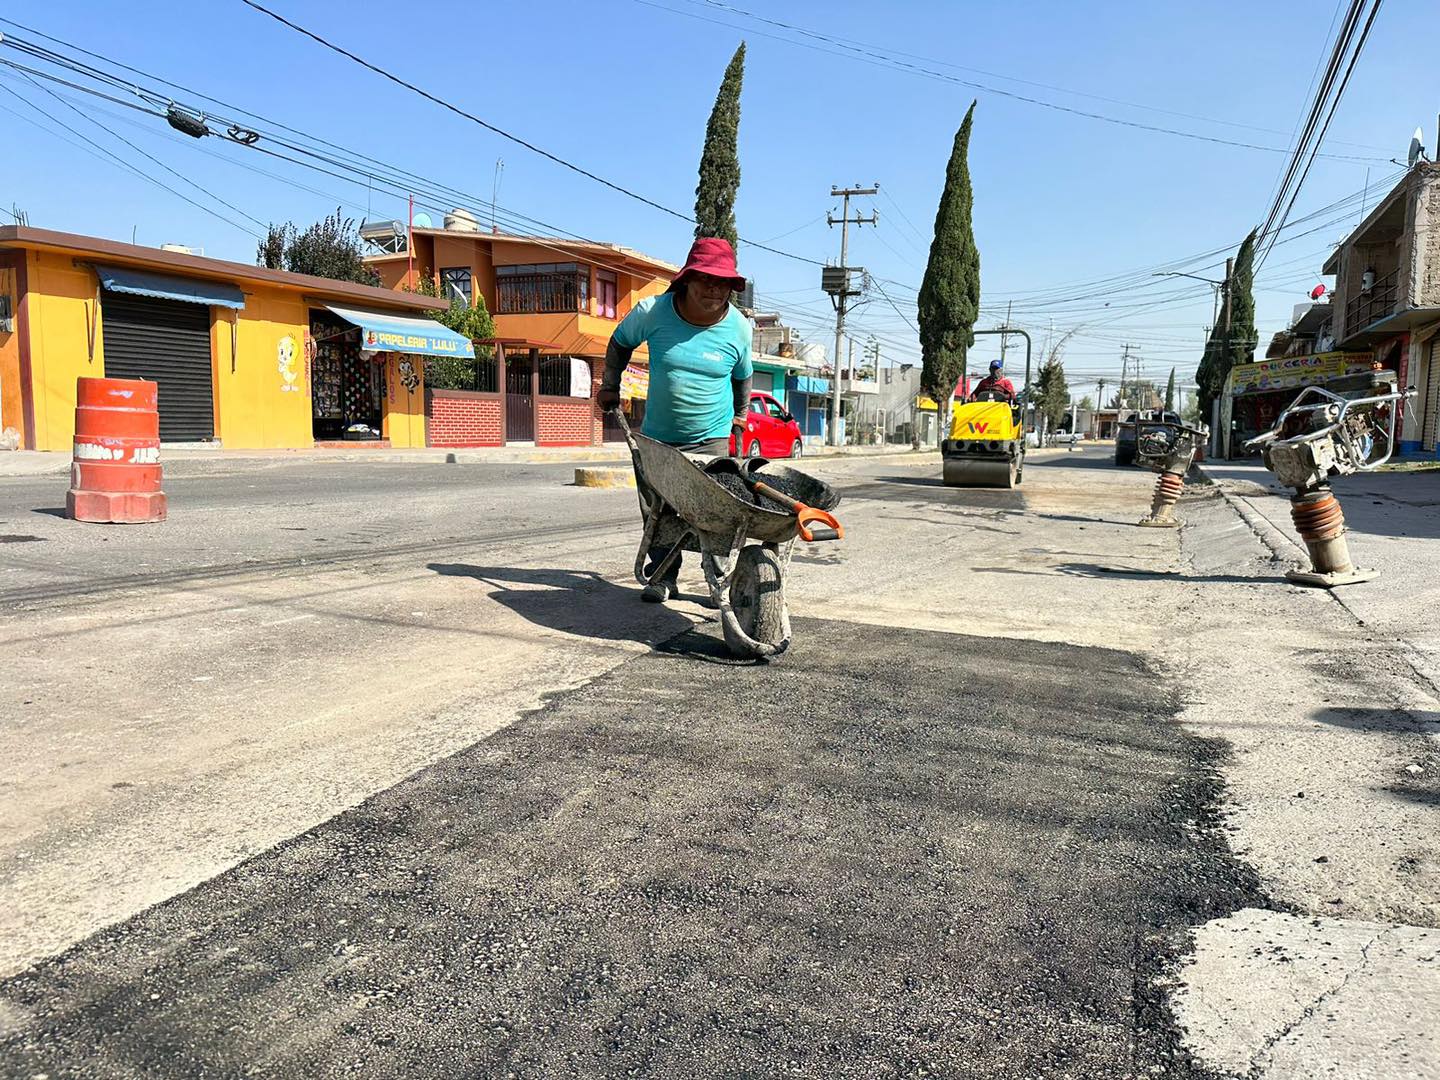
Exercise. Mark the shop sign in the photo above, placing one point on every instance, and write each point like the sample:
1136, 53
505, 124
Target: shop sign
1291, 372
386, 341
634, 382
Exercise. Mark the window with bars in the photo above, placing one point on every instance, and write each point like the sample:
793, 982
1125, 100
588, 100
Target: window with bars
607, 292
541, 288
455, 281
555, 376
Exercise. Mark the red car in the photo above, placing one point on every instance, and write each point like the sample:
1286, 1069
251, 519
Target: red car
770, 431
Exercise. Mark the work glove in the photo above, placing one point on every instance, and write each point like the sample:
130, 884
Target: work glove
608, 400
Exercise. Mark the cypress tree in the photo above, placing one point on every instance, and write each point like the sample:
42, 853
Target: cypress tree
949, 300
720, 160
1239, 307
1170, 392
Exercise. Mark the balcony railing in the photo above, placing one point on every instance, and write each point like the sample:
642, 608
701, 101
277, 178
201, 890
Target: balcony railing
1375, 303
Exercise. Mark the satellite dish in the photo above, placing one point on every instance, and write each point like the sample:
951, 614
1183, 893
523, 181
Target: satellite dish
422, 221
1317, 292
1417, 149
398, 228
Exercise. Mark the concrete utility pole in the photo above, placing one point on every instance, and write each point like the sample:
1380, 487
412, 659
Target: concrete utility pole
844, 221
1124, 366
1223, 449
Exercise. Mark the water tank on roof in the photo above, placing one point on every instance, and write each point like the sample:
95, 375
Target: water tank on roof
461, 221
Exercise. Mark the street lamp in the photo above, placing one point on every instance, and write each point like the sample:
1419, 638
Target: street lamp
1216, 285
1219, 440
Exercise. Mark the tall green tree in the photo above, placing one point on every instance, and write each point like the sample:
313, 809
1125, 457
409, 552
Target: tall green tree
1239, 310
1170, 392
472, 320
949, 300
720, 160
331, 249
1052, 392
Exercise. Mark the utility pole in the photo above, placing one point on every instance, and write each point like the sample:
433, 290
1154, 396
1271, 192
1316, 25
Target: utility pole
1124, 366
1224, 447
1005, 338
845, 292
1099, 404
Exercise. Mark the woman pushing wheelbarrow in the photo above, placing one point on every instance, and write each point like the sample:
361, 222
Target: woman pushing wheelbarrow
700, 379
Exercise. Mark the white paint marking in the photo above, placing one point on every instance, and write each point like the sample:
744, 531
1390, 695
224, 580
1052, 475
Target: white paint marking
293, 618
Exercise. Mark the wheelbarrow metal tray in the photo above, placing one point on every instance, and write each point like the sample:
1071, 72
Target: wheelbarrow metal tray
709, 508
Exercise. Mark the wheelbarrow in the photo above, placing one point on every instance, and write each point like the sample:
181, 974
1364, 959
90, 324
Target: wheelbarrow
744, 549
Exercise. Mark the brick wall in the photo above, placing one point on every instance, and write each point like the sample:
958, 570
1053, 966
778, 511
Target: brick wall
570, 421
462, 418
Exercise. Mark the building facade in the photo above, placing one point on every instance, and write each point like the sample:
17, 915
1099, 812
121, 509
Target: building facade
245, 357
1386, 301
555, 303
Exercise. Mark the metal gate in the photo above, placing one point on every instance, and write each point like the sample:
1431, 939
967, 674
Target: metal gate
519, 399
167, 342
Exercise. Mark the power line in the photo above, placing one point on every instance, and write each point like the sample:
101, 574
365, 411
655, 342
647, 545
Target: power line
148, 156
127, 166
868, 55
1325, 127
502, 132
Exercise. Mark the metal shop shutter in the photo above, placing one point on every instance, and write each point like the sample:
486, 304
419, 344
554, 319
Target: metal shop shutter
168, 342
1431, 404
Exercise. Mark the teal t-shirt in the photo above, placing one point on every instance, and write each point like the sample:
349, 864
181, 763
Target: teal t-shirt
691, 369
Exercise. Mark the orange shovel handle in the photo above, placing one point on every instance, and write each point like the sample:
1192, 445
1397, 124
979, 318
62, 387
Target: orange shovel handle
831, 530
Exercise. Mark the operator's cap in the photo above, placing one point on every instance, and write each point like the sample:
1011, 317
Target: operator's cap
996, 365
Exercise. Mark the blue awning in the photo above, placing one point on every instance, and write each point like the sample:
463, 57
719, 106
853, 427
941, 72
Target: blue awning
809, 384
384, 331
165, 287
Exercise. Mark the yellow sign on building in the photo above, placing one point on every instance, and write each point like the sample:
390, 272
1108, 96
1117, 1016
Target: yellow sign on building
1292, 372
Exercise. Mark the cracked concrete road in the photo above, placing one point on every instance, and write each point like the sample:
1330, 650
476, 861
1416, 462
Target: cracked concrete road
259, 680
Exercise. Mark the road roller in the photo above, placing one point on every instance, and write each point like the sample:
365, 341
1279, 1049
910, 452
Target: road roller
986, 447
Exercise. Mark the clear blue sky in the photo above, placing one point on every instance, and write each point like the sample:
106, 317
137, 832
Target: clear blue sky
624, 88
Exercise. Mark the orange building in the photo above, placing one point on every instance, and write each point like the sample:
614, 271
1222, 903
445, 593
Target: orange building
245, 357
555, 303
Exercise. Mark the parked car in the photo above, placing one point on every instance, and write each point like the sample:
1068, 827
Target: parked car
770, 431
1125, 432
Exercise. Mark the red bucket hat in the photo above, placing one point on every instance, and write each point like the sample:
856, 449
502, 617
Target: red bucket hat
714, 256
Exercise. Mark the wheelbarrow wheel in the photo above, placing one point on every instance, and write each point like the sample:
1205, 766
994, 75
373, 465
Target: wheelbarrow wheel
757, 596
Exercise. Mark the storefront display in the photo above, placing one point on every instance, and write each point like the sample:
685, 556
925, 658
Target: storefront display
347, 385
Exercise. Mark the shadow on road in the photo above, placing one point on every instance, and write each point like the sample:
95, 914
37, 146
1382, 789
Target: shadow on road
1381, 721
574, 601
1099, 570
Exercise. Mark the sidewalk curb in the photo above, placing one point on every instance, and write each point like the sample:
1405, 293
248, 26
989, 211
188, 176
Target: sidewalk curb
1280, 545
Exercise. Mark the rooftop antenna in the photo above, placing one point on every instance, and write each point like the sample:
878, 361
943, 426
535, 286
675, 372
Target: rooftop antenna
495, 190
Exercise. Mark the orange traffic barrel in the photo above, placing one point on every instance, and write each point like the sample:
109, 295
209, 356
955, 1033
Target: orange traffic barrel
115, 474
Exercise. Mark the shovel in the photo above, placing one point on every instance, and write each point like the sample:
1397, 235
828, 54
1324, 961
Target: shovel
829, 529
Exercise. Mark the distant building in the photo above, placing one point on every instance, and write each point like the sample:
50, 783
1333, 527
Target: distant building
555, 302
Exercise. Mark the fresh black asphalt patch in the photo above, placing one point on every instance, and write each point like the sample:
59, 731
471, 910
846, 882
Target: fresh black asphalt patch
893, 854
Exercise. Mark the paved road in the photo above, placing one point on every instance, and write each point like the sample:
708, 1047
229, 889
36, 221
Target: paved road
842, 866
959, 831
1393, 520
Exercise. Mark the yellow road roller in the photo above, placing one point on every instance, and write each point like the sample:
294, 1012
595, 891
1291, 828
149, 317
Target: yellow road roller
986, 447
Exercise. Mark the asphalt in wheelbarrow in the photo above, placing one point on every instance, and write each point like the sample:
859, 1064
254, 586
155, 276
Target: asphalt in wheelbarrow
794, 484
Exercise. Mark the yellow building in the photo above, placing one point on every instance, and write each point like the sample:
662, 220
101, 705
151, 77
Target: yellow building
245, 357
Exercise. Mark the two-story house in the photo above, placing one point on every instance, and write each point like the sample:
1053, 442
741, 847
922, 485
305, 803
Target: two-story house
1387, 295
555, 303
